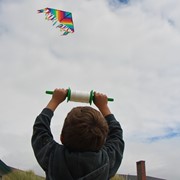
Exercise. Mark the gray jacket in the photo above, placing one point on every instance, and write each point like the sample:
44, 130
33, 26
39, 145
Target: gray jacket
60, 163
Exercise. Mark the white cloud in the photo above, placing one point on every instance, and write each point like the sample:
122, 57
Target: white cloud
131, 53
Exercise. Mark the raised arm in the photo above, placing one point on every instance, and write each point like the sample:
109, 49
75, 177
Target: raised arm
42, 138
114, 145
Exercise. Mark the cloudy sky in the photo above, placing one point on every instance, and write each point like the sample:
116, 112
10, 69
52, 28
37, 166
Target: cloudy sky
129, 50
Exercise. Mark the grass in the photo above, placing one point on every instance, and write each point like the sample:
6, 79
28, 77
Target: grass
117, 177
30, 175
22, 175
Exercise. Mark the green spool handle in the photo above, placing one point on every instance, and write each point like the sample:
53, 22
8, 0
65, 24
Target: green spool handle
51, 92
110, 99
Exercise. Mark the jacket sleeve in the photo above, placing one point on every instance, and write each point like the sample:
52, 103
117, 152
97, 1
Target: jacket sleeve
114, 145
42, 139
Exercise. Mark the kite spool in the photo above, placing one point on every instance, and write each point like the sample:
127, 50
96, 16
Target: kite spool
80, 96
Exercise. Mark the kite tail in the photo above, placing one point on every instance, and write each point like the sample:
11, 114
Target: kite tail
65, 33
55, 23
40, 11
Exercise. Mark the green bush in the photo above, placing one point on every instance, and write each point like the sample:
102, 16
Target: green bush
117, 177
29, 175
22, 175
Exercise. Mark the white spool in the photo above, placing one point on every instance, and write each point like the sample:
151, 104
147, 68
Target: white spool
79, 96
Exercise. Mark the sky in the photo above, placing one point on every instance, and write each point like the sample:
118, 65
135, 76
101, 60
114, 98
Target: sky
127, 49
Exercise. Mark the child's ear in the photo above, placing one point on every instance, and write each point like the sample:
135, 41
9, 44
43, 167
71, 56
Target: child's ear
61, 138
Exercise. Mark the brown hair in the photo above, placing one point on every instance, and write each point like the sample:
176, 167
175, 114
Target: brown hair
84, 129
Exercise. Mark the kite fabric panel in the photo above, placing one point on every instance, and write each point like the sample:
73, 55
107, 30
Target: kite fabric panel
62, 19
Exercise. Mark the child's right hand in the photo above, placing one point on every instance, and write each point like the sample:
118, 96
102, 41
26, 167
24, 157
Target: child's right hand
101, 101
59, 95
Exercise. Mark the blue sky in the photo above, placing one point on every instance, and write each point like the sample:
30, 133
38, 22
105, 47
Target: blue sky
118, 2
129, 51
169, 133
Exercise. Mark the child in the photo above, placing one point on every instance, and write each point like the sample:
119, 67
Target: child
92, 141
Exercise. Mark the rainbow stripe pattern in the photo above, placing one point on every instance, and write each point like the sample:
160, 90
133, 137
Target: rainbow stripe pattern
62, 19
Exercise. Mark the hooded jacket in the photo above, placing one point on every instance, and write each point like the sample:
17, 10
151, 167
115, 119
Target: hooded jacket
60, 163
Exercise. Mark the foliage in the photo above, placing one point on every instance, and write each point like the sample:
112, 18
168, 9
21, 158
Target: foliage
22, 175
29, 175
117, 177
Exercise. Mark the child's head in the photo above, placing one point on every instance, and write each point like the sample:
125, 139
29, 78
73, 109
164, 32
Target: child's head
85, 129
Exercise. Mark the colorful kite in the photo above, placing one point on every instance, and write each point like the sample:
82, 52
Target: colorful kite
62, 19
